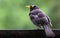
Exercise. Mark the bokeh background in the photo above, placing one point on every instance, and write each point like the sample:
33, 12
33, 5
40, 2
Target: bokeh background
14, 14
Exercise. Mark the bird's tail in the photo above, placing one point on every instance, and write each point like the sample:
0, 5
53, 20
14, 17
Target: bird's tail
48, 31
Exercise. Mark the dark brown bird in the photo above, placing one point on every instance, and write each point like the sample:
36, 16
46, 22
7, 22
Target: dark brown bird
38, 18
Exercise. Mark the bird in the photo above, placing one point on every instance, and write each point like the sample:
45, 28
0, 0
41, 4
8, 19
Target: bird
39, 18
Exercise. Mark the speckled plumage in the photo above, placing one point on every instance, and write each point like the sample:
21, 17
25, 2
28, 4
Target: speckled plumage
40, 19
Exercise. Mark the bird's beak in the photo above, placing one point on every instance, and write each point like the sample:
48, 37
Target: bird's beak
28, 6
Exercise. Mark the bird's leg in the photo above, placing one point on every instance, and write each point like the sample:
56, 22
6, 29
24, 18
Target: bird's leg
39, 27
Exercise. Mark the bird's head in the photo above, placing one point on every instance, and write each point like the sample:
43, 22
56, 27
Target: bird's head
32, 7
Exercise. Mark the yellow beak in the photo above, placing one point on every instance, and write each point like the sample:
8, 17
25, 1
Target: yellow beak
28, 6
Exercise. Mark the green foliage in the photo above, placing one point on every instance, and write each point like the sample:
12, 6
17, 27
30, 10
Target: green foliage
14, 14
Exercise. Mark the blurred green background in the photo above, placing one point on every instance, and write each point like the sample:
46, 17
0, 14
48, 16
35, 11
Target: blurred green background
14, 14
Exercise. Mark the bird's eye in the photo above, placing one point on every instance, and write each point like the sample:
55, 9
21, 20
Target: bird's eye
34, 6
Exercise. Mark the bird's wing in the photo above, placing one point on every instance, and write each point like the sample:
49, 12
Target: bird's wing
49, 21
